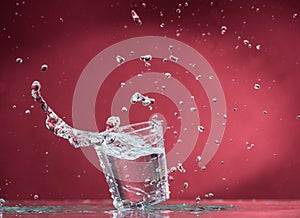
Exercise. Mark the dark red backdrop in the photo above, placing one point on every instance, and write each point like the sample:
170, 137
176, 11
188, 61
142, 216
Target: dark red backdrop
68, 34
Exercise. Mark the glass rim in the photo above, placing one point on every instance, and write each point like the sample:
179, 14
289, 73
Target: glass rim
149, 122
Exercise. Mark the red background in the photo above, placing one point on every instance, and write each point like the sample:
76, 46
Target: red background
68, 34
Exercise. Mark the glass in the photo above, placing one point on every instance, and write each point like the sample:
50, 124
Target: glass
134, 164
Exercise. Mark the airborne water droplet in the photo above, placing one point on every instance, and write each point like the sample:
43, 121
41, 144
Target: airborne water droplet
19, 60
193, 109
181, 168
173, 58
223, 29
256, 86
146, 58
27, 111
198, 199
123, 84
198, 77
185, 185
44, 67
35, 197
120, 59
200, 128
136, 18
168, 75
295, 15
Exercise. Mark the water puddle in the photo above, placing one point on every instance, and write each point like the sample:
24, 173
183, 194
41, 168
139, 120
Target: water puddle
163, 210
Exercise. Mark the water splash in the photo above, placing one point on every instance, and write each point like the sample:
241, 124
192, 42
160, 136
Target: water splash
54, 123
138, 97
112, 142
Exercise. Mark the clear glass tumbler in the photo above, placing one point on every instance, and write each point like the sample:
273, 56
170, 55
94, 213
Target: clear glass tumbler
134, 163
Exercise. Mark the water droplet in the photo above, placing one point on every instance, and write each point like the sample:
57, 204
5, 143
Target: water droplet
250, 147
217, 142
124, 109
256, 86
180, 168
19, 60
211, 77
123, 84
14, 106
112, 124
258, 47
185, 185
144, 5
136, 18
168, 75
265, 112
223, 29
223, 179
298, 117
193, 109
35, 197
225, 116
138, 97
246, 42
198, 77
120, 59
173, 58
173, 169
222, 161
180, 102
178, 11
171, 178
198, 158
186, 4
203, 168
2, 201
162, 25
146, 58
234, 109
214, 100
44, 67
27, 111
200, 128
295, 15
198, 199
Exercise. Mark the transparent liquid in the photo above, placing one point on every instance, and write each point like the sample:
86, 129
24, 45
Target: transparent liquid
136, 183
132, 157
